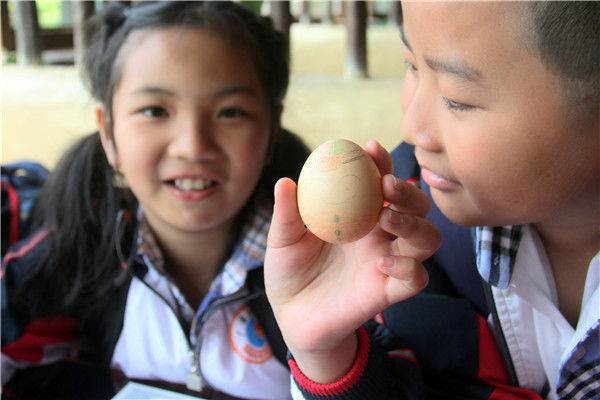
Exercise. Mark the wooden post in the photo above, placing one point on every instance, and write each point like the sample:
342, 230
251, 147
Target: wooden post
370, 10
81, 11
27, 30
282, 19
356, 41
305, 11
395, 13
66, 13
328, 13
7, 40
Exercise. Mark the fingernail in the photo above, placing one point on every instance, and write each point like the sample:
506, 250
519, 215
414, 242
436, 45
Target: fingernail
386, 265
396, 219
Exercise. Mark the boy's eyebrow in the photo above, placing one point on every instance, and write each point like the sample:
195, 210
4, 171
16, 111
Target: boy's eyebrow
462, 71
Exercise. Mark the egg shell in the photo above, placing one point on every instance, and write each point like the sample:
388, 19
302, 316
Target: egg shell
339, 192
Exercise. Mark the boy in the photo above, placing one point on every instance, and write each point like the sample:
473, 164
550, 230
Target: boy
501, 103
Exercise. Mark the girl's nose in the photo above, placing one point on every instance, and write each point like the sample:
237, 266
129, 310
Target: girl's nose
194, 140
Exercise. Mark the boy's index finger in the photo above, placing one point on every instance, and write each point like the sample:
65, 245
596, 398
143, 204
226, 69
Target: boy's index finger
405, 197
380, 156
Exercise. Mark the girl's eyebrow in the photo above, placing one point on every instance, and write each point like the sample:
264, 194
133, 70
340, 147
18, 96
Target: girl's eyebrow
236, 89
227, 91
462, 71
154, 90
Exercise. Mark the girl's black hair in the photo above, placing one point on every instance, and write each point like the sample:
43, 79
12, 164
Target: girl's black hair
79, 267
233, 22
77, 262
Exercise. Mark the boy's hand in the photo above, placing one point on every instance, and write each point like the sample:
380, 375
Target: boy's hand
321, 293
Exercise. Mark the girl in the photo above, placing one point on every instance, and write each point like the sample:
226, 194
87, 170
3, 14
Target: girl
151, 233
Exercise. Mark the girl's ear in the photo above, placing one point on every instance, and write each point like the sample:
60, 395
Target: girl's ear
106, 136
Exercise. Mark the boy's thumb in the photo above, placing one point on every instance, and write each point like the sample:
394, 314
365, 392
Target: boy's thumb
286, 225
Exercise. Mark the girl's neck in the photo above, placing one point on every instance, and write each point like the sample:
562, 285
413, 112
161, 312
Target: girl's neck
194, 259
570, 242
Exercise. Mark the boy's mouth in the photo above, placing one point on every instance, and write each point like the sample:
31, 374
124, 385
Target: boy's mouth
438, 182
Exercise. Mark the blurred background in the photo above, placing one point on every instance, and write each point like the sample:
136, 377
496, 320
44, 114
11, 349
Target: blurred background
346, 62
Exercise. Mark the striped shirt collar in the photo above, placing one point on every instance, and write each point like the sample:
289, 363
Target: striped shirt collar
496, 251
247, 254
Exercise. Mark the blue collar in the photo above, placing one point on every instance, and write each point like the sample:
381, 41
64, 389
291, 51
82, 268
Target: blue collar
496, 251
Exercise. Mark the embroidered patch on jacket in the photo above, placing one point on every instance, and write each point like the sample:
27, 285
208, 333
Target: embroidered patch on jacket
247, 337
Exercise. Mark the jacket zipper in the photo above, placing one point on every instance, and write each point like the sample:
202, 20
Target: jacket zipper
499, 334
195, 379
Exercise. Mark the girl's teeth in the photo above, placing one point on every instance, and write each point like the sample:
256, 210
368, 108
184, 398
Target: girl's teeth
192, 184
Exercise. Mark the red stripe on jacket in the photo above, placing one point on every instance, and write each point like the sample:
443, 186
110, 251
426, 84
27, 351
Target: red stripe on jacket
492, 370
25, 248
40, 333
342, 384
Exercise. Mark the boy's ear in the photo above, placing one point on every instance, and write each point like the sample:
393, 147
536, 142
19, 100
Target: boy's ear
106, 136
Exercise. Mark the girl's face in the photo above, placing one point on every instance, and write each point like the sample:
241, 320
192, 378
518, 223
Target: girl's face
191, 126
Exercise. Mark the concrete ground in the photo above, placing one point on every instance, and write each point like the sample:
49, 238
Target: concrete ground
43, 109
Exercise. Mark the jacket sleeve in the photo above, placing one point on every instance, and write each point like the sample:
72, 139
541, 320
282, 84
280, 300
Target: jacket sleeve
430, 346
28, 340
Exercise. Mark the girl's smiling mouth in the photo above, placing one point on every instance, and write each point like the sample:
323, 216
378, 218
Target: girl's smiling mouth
192, 189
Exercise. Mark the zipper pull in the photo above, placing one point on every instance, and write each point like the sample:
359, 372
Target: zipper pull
194, 380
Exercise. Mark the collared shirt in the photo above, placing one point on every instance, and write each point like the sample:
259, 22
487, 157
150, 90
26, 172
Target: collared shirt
248, 254
540, 340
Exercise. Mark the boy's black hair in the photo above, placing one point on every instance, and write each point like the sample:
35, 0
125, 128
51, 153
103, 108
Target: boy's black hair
566, 35
79, 267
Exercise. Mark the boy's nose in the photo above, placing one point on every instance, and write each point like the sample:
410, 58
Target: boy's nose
418, 126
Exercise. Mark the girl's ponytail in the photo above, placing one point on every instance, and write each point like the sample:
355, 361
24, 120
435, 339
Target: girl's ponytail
78, 206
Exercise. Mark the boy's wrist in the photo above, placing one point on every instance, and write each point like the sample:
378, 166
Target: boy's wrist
329, 366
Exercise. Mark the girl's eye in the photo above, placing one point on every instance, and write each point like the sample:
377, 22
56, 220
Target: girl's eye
154, 112
231, 112
456, 106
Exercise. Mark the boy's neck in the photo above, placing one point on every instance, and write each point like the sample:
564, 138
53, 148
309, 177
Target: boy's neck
570, 243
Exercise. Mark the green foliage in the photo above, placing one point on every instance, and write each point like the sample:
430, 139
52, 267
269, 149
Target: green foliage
49, 13
253, 5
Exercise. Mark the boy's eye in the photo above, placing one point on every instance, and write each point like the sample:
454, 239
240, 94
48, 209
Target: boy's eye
456, 106
154, 112
410, 65
231, 112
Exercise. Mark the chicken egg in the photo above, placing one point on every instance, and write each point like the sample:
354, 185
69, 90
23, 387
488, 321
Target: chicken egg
339, 192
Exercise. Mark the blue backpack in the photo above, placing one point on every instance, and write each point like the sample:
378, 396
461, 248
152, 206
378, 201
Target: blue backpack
21, 185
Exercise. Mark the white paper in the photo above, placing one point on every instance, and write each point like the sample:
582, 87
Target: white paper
138, 391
